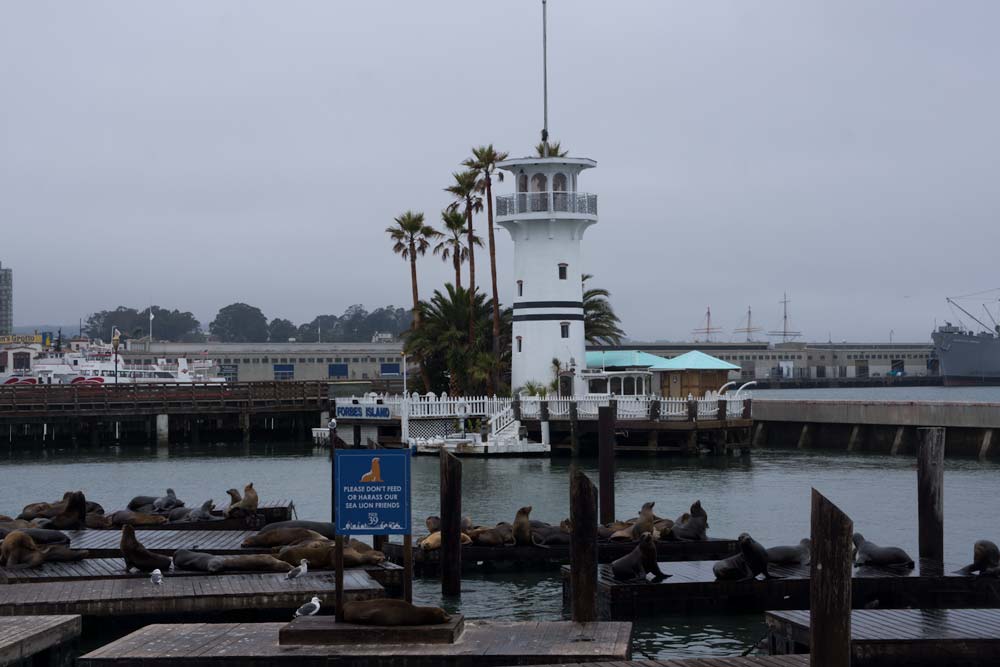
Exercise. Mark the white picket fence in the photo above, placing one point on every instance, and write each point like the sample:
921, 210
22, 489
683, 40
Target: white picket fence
425, 406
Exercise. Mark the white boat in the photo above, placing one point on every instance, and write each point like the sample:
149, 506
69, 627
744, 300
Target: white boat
100, 367
473, 445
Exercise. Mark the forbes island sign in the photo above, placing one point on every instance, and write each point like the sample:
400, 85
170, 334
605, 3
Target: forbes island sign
372, 491
363, 412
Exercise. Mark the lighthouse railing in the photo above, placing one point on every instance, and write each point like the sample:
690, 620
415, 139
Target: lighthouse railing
547, 202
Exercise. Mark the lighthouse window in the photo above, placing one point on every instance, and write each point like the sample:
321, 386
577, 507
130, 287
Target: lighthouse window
564, 329
522, 183
518, 343
520, 288
562, 271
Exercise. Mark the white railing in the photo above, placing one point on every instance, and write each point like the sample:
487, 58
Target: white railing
633, 407
734, 407
431, 406
708, 408
673, 408
586, 407
546, 202
501, 421
531, 407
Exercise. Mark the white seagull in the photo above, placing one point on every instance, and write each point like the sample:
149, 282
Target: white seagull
157, 577
308, 609
296, 572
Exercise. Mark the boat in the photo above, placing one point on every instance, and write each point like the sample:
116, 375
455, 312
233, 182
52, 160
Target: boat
105, 367
968, 356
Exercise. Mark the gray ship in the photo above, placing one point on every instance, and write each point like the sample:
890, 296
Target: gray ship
967, 357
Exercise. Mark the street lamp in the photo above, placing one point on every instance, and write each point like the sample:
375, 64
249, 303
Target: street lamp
115, 341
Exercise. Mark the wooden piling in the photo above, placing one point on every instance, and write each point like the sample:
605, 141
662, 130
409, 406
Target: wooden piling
721, 409
583, 547
338, 565
574, 429
930, 493
408, 567
606, 460
451, 524
830, 584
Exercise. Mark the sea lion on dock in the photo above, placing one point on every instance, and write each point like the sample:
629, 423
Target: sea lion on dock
985, 560
139, 557
247, 506
39, 535
168, 502
694, 527
869, 553
203, 513
522, 527
433, 541
185, 559
130, 518
491, 537
433, 524
254, 563
550, 536
733, 568
392, 612
282, 537
234, 496
755, 556
178, 514
639, 562
324, 528
18, 550
74, 515
791, 555
320, 555
97, 521
360, 546
141, 503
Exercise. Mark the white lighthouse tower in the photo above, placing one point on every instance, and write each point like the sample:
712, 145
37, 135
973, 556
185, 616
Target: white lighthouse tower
546, 217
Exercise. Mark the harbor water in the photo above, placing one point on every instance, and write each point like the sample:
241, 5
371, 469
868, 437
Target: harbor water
766, 495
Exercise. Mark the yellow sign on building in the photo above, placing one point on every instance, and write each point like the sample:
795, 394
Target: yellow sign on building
22, 339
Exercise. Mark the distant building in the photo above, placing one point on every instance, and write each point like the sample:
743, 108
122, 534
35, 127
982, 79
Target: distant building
6, 301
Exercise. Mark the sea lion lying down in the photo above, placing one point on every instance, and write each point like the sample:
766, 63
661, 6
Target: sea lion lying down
391, 612
185, 559
869, 553
281, 537
320, 554
19, 551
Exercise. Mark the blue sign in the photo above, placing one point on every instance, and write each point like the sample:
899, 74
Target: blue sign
373, 491
363, 412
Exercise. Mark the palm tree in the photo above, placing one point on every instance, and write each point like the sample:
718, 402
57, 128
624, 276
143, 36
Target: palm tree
465, 193
411, 238
600, 324
453, 245
545, 149
484, 162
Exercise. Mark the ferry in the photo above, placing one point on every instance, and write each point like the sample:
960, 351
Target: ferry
96, 368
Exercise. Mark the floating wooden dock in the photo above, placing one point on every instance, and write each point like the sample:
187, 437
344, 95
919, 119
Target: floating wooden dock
388, 574
106, 543
482, 644
39, 640
910, 637
473, 556
181, 595
693, 587
269, 512
709, 661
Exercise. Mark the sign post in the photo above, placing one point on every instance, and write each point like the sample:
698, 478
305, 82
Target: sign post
372, 493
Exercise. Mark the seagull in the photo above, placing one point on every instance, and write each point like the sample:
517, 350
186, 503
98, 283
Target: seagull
157, 577
296, 572
308, 609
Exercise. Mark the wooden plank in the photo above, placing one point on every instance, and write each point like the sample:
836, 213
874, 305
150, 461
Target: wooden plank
483, 644
326, 630
451, 524
583, 546
182, 594
830, 583
22, 637
105, 543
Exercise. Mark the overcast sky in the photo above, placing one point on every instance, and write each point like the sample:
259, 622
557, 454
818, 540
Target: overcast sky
200, 153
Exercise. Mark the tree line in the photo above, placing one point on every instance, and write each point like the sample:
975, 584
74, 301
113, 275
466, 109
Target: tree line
461, 339
243, 323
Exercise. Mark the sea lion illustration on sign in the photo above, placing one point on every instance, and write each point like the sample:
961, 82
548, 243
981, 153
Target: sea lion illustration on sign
373, 476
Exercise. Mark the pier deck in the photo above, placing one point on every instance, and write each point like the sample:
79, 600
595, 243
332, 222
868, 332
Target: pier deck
181, 595
23, 639
105, 543
911, 637
388, 574
693, 587
428, 562
482, 644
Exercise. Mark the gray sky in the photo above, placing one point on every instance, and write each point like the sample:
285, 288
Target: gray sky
200, 153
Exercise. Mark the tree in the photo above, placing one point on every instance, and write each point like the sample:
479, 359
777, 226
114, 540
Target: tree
545, 149
465, 192
453, 245
412, 237
169, 325
240, 323
280, 330
453, 363
600, 324
484, 163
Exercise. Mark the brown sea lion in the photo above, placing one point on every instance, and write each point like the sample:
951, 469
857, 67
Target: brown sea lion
433, 541
246, 506
522, 527
491, 537
253, 563
433, 524
869, 553
234, 496
985, 560
18, 551
179, 514
43, 510
39, 535
791, 555
17, 523
640, 562
130, 518
4, 518
97, 521
359, 546
692, 528
185, 559
62, 553
281, 538
324, 528
320, 555
167, 502
139, 557
392, 612
74, 514
733, 568
140, 503
755, 556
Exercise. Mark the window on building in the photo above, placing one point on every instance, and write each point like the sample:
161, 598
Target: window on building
564, 329
246, 360
284, 371
337, 370
518, 343
563, 271
389, 369
520, 288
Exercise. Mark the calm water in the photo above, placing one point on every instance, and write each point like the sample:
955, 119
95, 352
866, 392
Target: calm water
767, 496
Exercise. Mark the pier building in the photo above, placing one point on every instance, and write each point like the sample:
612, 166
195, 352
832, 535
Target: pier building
546, 218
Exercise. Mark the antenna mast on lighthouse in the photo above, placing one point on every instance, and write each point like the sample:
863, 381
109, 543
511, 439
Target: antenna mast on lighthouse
545, 83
